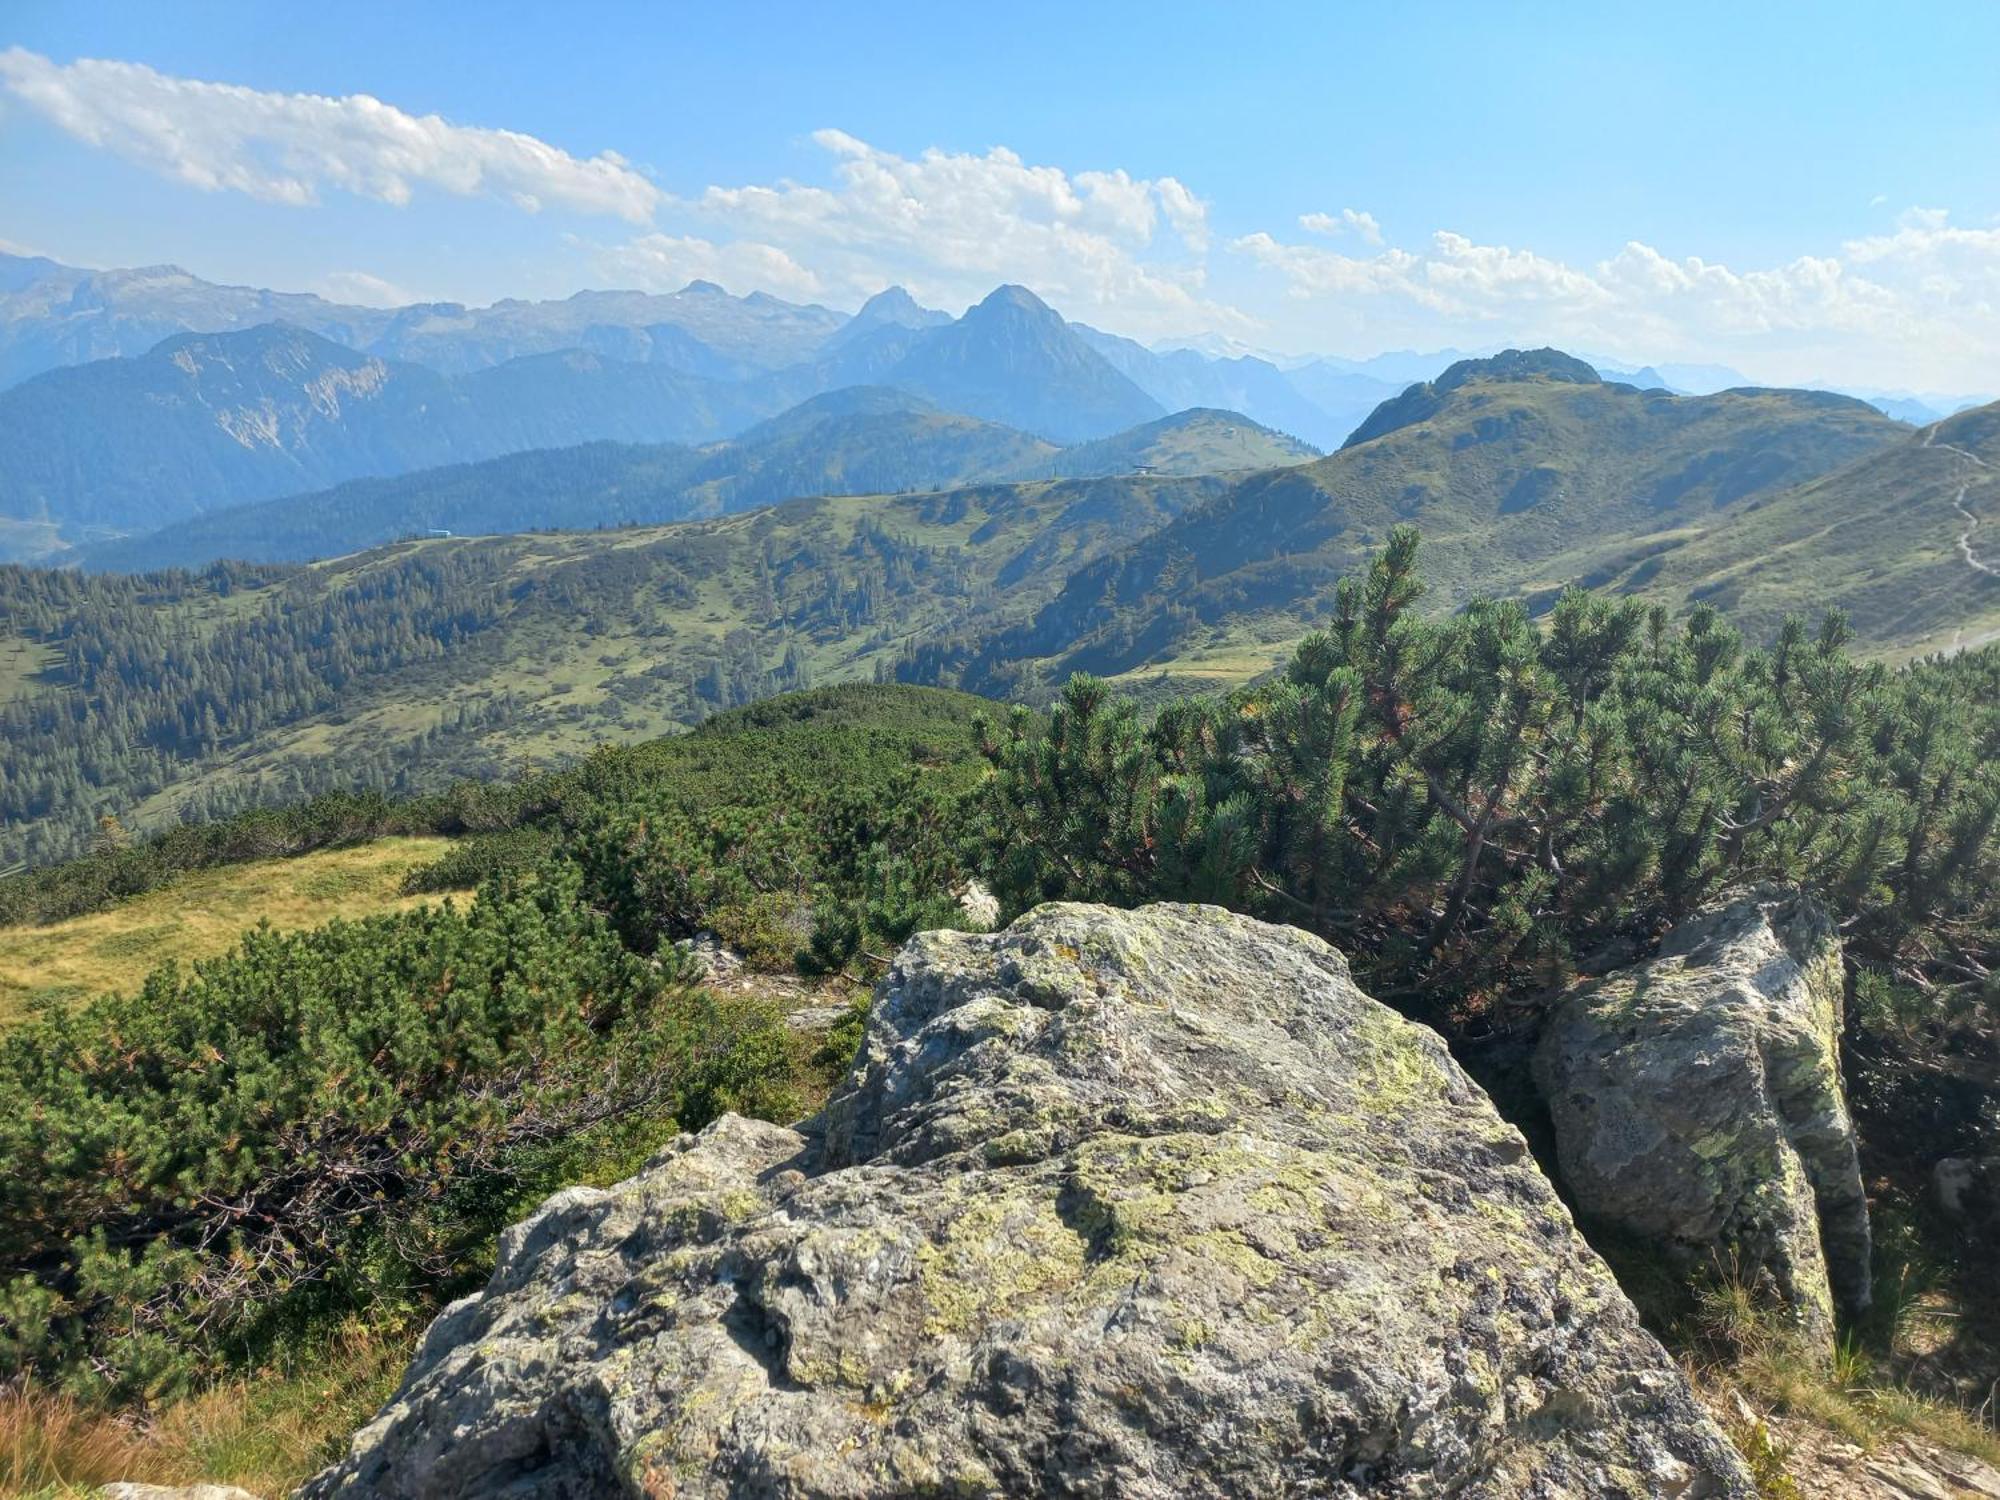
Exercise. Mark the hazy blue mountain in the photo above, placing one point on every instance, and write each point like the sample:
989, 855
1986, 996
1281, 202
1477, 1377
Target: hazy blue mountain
892, 308
53, 315
1400, 367
1645, 377
1702, 380
1347, 397
206, 420
1180, 379
866, 440
1907, 409
1012, 359
745, 335
861, 441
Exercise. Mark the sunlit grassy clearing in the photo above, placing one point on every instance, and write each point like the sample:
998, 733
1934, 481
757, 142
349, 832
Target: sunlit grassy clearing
202, 915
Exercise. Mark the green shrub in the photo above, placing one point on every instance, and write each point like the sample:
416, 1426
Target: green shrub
1476, 806
331, 1121
474, 860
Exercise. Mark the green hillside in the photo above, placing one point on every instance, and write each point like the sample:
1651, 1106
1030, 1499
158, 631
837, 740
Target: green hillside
1200, 440
1906, 541
1520, 479
183, 694
178, 694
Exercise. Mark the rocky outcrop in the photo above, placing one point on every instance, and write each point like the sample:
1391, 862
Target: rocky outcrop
1697, 1101
1138, 1204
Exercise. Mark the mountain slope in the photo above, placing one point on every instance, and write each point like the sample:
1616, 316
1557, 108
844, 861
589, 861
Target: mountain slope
863, 441
53, 315
1524, 473
1180, 379
1199, 441
1011, 359
891, 308
406, 666
1905, 540
700, 329
202, 421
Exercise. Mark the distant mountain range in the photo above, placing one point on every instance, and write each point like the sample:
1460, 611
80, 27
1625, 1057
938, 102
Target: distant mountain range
127, 449
206, 421
862, 440
1009, 360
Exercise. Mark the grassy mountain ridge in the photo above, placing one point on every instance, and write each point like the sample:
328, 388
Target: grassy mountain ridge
1519, 482
1200, 440
1906, 540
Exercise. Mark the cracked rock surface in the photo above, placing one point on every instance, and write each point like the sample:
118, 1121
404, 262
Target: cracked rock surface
1115, 1203
1697, 1100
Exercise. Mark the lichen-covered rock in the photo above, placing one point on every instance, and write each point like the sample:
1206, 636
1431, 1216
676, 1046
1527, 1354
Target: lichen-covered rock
1697, 1101
1137, 1204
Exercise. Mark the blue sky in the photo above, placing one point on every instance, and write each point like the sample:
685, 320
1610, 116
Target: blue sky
1804, 191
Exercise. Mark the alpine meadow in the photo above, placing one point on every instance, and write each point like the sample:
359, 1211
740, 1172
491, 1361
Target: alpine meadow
1248, 757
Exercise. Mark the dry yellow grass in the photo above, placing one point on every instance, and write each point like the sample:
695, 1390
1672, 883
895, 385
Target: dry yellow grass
203, 915
267, 1432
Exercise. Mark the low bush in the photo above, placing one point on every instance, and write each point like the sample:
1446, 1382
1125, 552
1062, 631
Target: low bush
333, 1121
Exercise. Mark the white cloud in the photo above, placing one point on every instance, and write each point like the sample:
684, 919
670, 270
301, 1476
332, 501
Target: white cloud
1359, 221
288, 148
666, 263
1920, 306
363, 288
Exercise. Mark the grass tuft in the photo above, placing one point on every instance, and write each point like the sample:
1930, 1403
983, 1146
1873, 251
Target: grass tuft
267, 1433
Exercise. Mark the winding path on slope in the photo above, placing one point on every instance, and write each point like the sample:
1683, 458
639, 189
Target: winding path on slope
1958, 641
1958, 501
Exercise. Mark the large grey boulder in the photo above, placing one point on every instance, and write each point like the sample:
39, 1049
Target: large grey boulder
1697, 1102
1141, 1204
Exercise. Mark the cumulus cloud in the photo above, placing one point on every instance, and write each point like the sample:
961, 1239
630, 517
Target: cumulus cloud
1359, 221
1921, 304
364, 289
1918, 305
288, 148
